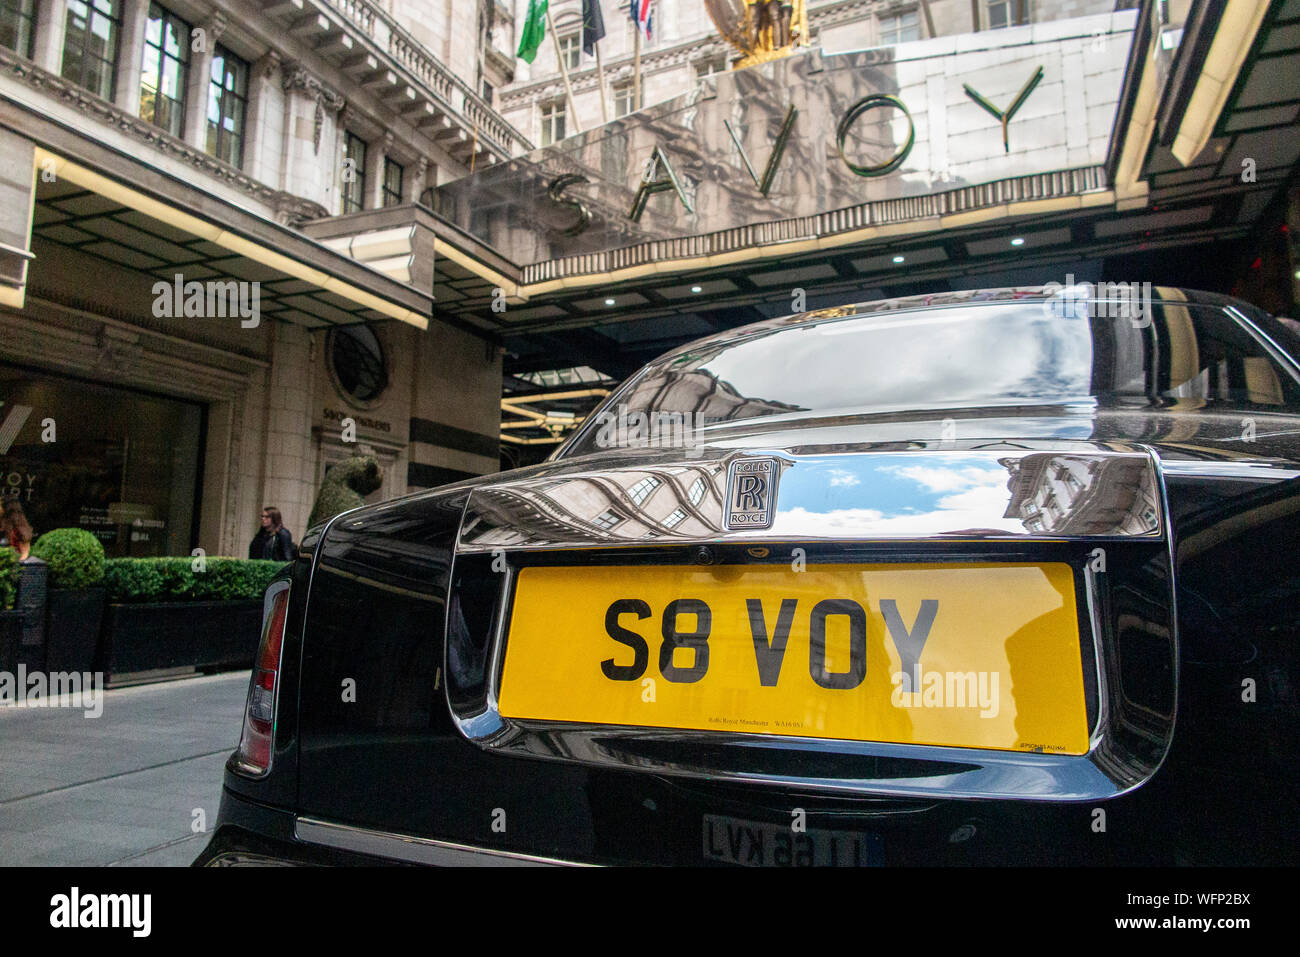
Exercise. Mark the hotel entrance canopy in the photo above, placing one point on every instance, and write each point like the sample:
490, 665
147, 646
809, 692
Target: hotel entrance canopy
92, 198
875, 173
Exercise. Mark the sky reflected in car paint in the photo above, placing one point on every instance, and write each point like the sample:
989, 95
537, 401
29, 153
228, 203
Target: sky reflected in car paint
961, 356
917, 493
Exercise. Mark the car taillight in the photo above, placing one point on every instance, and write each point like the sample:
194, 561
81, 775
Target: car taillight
259, 716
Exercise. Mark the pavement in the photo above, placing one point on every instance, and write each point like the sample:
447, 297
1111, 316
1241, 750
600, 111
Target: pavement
123, 788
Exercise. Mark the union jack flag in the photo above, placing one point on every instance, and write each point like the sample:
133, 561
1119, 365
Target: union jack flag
642, 12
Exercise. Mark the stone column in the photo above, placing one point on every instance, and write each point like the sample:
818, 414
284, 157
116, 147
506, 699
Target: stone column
288, 481
130, 56
259, 126
51, 18
17, 155
196, 97
311, 160
415, 177
376, 153
346, 120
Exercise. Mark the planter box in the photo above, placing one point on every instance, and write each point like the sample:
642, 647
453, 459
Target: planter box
33, 593
178, 634
11, 634
73, 617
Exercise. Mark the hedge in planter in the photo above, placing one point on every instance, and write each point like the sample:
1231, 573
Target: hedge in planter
8, 578
11, 622
164, 614
75, 605
174, 579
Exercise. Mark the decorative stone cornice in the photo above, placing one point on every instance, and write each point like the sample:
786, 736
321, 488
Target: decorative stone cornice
293, 210
379, 32
294, 77
503, 63
213, 27
268, 65
654, 61
290, 210
835, 13
349, 117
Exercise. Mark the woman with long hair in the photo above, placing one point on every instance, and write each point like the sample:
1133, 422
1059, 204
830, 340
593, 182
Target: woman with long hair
16, 530
273, 541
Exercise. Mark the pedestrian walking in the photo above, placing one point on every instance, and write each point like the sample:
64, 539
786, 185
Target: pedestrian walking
273, 541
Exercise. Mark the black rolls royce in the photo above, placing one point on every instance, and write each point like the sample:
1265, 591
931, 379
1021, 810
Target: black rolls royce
985, 577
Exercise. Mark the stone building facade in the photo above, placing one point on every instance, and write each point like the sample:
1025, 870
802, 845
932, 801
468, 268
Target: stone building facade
274, 147
686, 47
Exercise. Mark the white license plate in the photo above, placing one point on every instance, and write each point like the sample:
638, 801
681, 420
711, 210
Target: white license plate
756, 844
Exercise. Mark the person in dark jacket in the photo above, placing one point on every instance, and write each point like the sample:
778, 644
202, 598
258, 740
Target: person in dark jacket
273, 542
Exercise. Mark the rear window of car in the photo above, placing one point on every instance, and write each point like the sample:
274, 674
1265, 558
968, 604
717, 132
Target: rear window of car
991, 354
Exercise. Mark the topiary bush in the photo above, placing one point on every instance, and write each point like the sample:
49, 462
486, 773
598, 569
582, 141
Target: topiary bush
345, 487
8, 578
175, 579
75, 557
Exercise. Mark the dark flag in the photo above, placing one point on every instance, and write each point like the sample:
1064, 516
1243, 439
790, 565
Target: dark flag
593, 26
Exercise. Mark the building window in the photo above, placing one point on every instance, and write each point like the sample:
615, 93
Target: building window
166, 70
613, 156
356, 363
392, 183
674, 519
552, 123
125, 447
488, 93
623, 100
1008, 13
710, 67
227, 106
899, 28
697, 491
607, 519
90, 43
642, 489
18, 25
354, 173
570, 51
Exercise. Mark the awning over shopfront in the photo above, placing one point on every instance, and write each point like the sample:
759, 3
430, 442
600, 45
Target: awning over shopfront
85, 195
893, 171
86, 210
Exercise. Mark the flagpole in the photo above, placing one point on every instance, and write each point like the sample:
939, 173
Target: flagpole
564, 71
636, 68
600, 78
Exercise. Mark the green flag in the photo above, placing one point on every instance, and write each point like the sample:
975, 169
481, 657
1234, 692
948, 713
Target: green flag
530, 37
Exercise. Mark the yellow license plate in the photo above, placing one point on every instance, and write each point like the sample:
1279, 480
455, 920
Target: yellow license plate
962, 655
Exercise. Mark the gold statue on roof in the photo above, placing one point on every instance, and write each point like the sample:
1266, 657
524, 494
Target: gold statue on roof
761, 30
